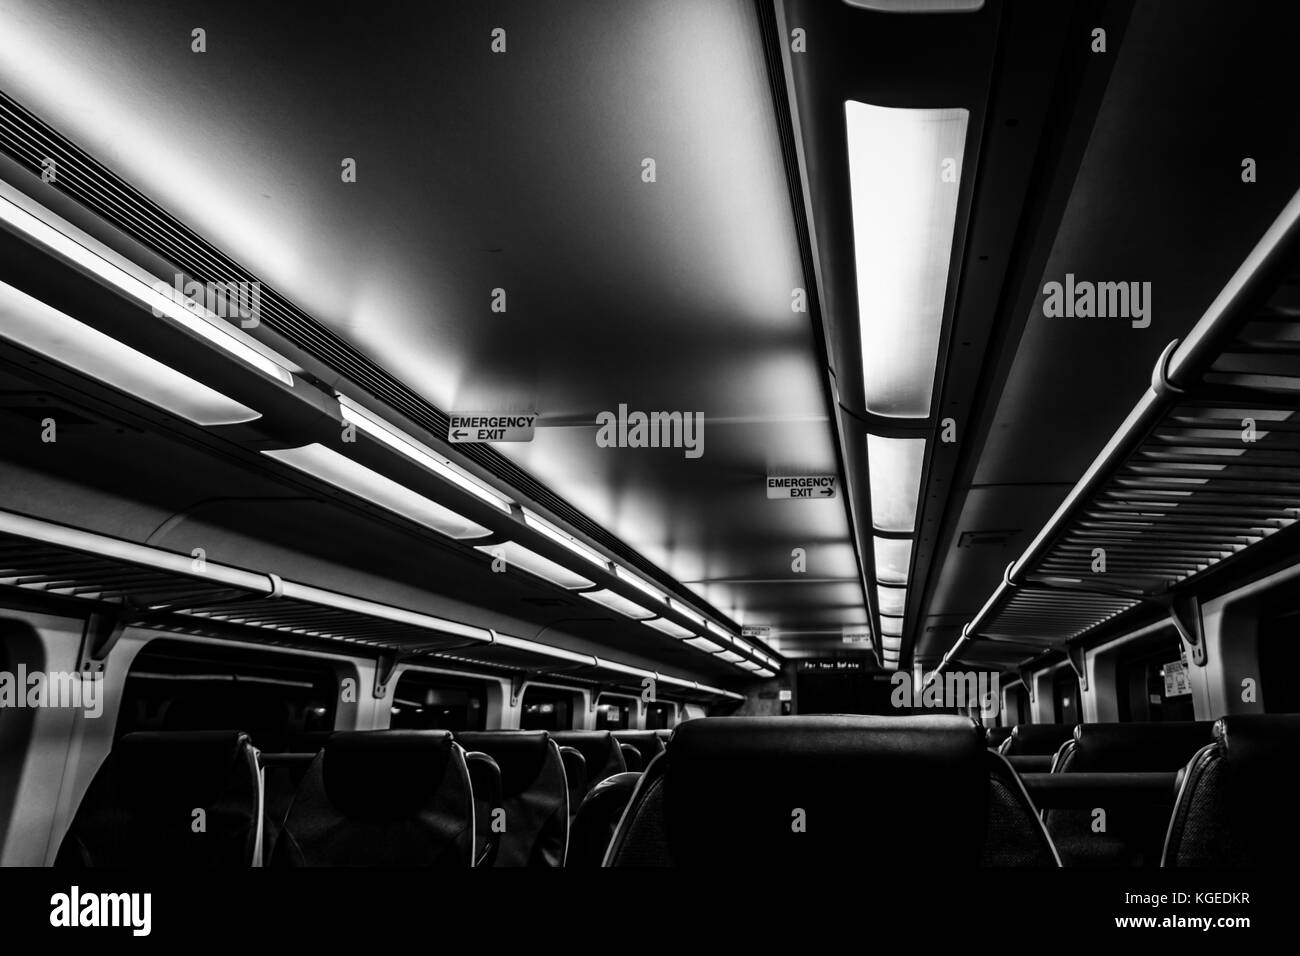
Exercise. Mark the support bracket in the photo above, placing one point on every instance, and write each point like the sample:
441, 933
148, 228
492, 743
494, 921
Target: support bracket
99, 635
1074, 653
384, 668
1185, 613
1027, 678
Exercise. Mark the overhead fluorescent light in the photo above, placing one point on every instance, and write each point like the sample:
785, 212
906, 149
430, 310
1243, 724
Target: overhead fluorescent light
668, 627
344, 473
731, 657
892, 601
687, 613
171, 303
904, 177
750, 666
640, 583
704, 644
764, 674
894, 467
616, 602
398, 440
918, 6
891, 627
32, 324
891, 643
893, 558
540, 524
519, 556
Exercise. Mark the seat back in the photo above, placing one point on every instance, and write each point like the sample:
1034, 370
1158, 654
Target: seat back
1128, 832
994, 736
647, 742
146, 801
1036, 739
596, 819
826, 791
535, 795
1236, 806
600, 751
382, 798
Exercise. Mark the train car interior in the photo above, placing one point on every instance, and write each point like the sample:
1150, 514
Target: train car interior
501, 434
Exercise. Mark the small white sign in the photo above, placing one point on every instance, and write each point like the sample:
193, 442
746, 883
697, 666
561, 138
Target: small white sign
762, 632
488, 426
785, 695
1176, 681
856, 634
801, 486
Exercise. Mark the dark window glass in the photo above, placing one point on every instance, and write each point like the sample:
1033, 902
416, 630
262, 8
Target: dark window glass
614, 713
1151, 682
282, 701
546, 709
1065, 691
658, 716
1279, 663
425, 701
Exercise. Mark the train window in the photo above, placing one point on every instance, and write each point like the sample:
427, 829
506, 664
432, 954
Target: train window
1279, 662
425, 701
1017, 711
658, 716
1151, 683
614, 712
1065, 696
545, 708
277, 699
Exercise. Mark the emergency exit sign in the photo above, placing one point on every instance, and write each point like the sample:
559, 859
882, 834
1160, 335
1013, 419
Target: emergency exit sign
801, 486
484, 426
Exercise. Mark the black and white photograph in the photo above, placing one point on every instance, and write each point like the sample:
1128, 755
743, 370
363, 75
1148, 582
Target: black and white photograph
836, 458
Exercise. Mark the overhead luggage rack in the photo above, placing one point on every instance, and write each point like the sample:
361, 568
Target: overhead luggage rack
124, 583
1205, 466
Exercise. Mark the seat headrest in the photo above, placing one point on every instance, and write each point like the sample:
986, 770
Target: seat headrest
598, 747
153, 769
647, 742
1037, 739
1137, 747
384, 775
734, 788
521, 754
1264, 738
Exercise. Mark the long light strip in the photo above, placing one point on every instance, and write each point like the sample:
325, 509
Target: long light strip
687, 613
616, 602
516, 554
704, 644
540, 524
41, 328
894, 467
641, 584
669, 628
344, 473
893, 559
892, 601
891, 626
404, 444
904, 178
171, 304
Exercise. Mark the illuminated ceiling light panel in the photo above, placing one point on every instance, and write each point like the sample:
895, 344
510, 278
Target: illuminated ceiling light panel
171, 303
32, 324
765, 674
616, 602
704, 644
918, 6
540, 524
891, 627
405, 445
894, 467
893, 557
669, 628
904, 177
892, 600
687, 613
731, 657
641, 584
516, 555
751, 666
347, 475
